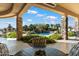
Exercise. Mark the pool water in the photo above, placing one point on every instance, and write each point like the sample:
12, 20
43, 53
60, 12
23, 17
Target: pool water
45, 33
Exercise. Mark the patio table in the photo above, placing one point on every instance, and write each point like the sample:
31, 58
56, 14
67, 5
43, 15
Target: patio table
48, 52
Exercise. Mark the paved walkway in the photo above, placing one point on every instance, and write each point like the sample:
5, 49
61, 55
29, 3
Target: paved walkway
67, 41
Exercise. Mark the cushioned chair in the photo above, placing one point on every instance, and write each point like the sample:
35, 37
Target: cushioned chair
38, 42
3, 50
74, 51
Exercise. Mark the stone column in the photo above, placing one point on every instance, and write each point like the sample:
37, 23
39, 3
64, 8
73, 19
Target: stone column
19, 27
77, 27
64, 27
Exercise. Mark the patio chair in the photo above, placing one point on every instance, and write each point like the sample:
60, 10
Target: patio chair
3, 50
74, 51
38, 42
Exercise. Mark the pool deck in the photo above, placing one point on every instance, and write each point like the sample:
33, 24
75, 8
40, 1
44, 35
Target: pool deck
15, 46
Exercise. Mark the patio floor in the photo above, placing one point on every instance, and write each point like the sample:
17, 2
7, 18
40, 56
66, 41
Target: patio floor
15, 46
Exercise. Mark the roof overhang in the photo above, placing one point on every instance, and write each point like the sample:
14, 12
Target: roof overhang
10, 9
14, 9
57, 8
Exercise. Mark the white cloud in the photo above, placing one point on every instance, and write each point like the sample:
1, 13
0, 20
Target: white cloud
53, 22
29, 20
7, 22
32, 12
40, 15
51, 17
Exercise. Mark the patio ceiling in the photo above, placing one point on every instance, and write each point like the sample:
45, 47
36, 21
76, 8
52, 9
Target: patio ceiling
59, 8
13, 9
4, 6
74, 7
10, 9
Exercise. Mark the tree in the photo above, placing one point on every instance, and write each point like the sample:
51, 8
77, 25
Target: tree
70, 28
57, 27
47, 27
25, 28
52, 27
31, 27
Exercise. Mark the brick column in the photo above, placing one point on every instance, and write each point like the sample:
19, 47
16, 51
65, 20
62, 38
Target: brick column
19, 27
64, 27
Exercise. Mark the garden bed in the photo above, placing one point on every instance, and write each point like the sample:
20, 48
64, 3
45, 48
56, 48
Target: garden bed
28, 39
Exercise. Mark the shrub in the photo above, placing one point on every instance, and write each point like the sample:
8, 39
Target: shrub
34, 35
55, 36
50, 41
28, 39
4, 36
70, 34
11, 35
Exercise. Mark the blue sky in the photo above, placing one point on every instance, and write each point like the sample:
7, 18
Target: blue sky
36, 15
4, 22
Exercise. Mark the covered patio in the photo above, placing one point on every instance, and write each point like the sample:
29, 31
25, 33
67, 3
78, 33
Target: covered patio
16, 10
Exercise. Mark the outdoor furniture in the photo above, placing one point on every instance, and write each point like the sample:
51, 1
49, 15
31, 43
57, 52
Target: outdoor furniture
45, 52
38, 42
3, 50
39, 49
74, 51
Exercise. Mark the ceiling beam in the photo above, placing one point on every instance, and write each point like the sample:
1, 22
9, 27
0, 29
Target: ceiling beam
45, 6
57, 9
24, 9
12, 16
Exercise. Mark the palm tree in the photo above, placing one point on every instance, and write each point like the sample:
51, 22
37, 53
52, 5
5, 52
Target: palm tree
70, 28
32, 27
25, 28
57, 27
